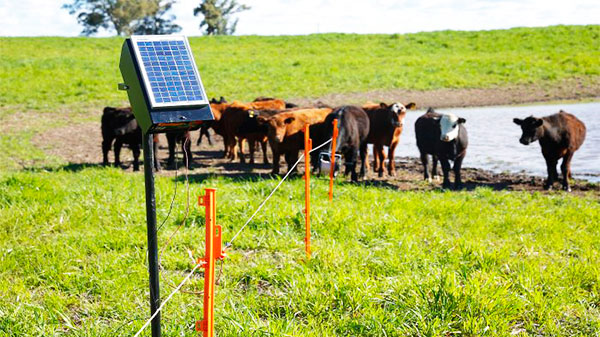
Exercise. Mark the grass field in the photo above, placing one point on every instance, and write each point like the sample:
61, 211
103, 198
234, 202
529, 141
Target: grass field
386, 263
46, 74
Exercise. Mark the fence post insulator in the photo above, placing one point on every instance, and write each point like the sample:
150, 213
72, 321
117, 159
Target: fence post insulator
307, 149
214, 251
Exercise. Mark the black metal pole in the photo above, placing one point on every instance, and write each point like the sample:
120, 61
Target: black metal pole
151, 228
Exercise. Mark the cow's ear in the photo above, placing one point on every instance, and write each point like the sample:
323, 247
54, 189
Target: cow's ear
517, 121
289, 120
108, 109
382, 105
462, 121
538, 122
410, 106
222, 100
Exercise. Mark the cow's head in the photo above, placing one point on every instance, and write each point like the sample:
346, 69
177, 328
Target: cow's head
531, 127
449, 126
277, 126
397, 112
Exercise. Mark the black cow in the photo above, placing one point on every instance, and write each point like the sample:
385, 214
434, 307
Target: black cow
445, 138
353, 126
560, 135
119, 125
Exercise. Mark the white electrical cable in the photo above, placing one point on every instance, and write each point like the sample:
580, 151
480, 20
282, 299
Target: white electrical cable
273, 191
167, 300
229, 243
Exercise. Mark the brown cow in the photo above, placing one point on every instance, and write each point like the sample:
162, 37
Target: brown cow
286, 132
560, 135
386, 125
234, 116
206, 125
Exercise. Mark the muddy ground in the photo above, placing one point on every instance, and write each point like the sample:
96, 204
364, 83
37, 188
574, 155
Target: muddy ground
207, 160
80, 144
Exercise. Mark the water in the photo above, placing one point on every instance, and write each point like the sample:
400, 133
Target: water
494, 139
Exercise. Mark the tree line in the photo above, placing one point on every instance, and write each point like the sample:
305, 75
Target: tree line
127, 17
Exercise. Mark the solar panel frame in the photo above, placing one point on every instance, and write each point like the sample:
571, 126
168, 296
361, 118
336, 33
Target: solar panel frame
180, 90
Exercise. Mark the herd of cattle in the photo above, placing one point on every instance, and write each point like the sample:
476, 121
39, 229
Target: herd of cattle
280, 124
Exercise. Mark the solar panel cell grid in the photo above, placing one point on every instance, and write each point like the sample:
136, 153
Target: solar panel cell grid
170, 71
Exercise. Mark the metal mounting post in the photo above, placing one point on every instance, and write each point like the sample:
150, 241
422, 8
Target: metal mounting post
214, 252
151, 229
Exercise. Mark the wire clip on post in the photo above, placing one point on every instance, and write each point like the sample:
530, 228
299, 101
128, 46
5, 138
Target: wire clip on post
307, 149
332, 158
213, 252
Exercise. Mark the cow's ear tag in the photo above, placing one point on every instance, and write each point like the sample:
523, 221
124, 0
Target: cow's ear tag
251, 113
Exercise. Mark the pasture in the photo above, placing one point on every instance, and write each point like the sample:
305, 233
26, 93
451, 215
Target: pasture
417, 261
385, 263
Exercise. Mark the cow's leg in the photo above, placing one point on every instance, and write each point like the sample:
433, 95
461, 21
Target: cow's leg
118, 145
456, 169
240, 146
363, 159
350, 161
434, 170
380, 160
290, 158
135, 148
263, 145
552, 173
446, 171
367, 165
391, 159
172, 143
276, 158
565, 168
251, 149
425, 162
106, 144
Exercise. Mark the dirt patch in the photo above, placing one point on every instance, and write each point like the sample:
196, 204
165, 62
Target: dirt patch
572, 89
80, 146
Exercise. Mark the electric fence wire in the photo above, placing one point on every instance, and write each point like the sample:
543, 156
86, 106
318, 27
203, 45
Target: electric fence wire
178, 288
167, 299
290, 170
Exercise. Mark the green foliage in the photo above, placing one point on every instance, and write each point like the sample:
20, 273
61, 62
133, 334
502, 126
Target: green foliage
124, 16
385, 263
217, 16
76, 71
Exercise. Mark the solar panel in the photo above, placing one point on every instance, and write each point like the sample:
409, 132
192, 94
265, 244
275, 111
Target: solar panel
168, 71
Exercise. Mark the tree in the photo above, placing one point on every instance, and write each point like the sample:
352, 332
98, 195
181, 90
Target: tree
124, 16
157, 24
217, 15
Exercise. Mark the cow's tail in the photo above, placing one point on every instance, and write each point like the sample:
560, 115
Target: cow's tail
339, 115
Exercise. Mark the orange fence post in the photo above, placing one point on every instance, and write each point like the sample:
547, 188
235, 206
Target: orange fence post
332, 158
307, 148
213, 253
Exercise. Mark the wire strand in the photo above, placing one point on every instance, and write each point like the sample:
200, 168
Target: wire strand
167, 300
290, 170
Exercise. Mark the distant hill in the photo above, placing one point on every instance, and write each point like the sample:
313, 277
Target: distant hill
48, 72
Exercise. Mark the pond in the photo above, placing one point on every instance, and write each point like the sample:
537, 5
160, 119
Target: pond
494, 139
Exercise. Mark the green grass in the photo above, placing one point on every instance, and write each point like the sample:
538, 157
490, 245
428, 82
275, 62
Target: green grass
385, 263
44, 74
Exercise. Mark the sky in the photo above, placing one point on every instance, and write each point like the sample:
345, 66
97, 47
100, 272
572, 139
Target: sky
294, 17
